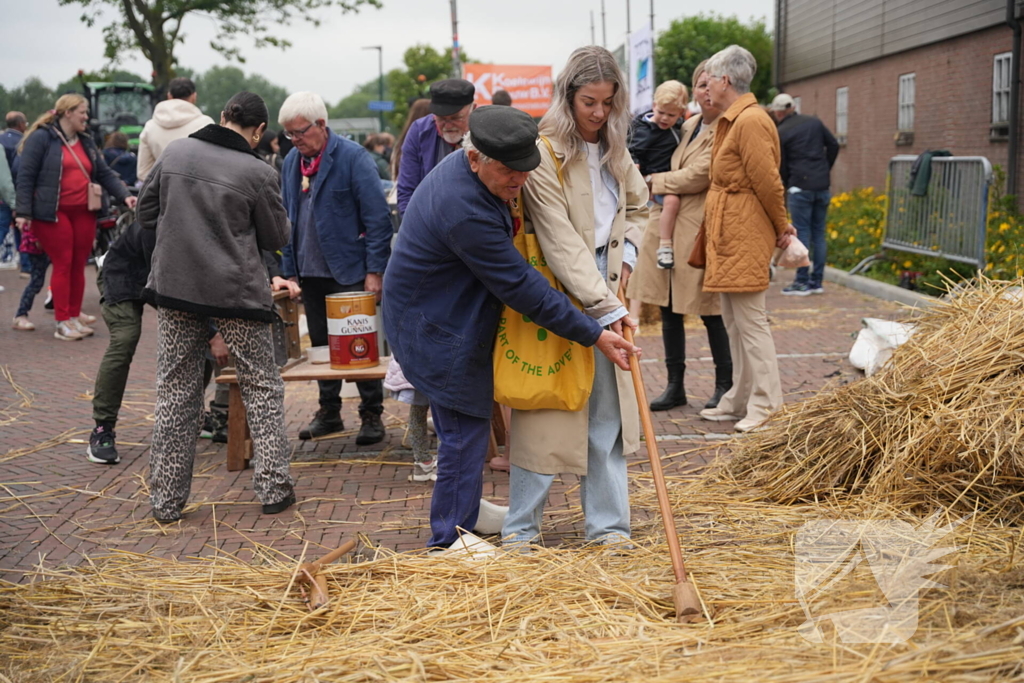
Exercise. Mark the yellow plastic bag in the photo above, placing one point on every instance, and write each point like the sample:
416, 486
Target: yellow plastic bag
535, 369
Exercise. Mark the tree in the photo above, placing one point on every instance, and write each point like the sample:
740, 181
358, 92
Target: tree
220, 83
154, 26
689, 41
32, 98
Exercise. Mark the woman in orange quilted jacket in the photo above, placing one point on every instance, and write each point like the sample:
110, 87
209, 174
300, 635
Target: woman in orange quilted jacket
744, 219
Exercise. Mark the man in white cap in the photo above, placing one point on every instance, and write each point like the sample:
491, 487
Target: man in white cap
808, 152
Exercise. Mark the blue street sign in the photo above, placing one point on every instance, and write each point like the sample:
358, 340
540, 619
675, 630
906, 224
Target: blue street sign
381, 105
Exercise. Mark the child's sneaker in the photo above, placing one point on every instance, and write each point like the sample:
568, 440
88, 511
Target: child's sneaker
424, 471
666, 259
102, 446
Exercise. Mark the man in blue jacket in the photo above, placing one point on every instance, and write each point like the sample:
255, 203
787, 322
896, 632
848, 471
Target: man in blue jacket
10, 138
435, 136
340, 242
454, 266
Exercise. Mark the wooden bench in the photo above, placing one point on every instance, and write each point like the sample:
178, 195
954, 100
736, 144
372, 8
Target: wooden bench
301, 370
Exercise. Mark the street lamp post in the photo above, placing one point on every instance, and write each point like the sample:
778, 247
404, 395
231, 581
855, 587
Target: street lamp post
380, 83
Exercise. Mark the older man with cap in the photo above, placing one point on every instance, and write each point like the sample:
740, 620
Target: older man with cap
453, 267
434, 137
808, 152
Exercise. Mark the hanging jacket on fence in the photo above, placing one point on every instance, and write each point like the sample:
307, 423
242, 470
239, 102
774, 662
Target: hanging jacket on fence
921, 171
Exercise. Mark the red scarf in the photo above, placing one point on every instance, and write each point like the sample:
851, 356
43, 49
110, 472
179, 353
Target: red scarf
311, 168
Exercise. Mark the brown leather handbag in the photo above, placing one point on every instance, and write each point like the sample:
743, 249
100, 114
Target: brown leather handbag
699, 255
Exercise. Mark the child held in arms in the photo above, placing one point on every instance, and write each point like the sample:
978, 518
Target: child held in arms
654, 137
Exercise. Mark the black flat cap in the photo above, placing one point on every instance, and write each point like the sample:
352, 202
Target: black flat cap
507, 135
448, 97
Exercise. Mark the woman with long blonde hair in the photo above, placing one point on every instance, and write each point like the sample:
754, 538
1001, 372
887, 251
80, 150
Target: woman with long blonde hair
60, 168
587, 204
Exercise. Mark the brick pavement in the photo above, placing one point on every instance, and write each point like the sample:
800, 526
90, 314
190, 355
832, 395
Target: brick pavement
56, 507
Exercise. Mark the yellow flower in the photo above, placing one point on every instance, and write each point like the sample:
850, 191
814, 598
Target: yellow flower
908, 264
851, 239
834, 235
1003, 227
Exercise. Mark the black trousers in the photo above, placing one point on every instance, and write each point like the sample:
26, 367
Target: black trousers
314, 293
674, 336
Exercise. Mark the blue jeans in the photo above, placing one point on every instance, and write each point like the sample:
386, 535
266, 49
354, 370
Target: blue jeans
461, 451
807, 209
604, 491
6, 218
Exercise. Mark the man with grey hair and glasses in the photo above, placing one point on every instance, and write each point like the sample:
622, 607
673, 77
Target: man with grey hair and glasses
340, 242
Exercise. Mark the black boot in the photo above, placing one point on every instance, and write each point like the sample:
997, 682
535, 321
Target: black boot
674, 339
326, 421
372, 429
718, 339
674, 395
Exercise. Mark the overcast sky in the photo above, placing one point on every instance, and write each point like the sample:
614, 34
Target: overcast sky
41, 38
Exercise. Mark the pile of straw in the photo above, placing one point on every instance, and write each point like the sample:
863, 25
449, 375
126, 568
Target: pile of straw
942, 425
575, 614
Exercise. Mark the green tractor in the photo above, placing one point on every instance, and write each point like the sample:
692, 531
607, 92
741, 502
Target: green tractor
123, 107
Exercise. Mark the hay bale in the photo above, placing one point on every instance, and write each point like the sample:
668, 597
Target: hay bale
942, 424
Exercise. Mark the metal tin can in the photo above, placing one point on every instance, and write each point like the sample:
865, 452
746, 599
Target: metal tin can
352, 330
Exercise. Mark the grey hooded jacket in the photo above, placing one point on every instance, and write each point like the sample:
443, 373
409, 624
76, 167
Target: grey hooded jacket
214, 205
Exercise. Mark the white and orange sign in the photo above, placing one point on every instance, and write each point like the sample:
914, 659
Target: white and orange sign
529, 86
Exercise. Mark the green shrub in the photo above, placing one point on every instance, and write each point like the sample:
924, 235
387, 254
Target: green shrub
856, 221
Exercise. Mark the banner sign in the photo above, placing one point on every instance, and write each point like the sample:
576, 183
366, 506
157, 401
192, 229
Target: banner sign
529, 86
641, 70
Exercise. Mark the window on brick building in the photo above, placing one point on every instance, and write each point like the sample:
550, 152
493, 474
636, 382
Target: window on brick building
905, 117
842, 104
1001, 88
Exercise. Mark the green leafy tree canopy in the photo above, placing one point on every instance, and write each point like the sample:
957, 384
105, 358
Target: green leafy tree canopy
689, 41
155, 26
219, 83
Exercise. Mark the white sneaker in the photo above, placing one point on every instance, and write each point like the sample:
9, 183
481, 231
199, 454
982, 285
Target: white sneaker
82, 328
750, 425
65, 332
718, 415
23, 323
424, 471
86, 319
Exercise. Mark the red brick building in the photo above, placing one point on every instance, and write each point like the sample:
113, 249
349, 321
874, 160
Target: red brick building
899, 77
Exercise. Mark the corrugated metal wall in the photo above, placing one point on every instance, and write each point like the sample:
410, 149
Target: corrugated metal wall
818, 36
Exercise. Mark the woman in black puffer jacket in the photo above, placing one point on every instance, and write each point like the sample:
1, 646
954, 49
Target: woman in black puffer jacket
58, 163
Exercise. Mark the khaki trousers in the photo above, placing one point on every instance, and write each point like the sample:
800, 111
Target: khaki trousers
756, 389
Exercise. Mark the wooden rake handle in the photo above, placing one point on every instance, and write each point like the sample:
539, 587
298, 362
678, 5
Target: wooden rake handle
667, 516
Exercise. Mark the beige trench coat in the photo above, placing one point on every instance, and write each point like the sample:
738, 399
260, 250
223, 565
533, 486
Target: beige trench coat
555, 441
689, 178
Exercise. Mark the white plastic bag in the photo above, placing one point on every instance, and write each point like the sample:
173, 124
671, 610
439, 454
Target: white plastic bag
793, 256
876, 342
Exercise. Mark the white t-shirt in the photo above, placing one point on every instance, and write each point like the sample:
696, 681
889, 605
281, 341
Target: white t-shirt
605, 201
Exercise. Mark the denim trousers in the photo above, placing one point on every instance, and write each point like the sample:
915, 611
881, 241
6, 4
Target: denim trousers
604, 491
6, 218
462, 442
808, 208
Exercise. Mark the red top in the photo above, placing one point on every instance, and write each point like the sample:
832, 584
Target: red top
73, 183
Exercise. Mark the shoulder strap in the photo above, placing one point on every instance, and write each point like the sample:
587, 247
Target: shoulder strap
73, 155
558, 164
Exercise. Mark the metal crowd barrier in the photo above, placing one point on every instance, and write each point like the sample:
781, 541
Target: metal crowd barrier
948, 222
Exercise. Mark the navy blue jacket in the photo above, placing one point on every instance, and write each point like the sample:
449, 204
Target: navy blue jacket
453, 267
39, 174
353, 222
9, 140
124, 163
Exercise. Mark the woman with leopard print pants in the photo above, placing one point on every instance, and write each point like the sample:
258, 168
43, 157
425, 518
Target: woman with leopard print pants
214, 205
